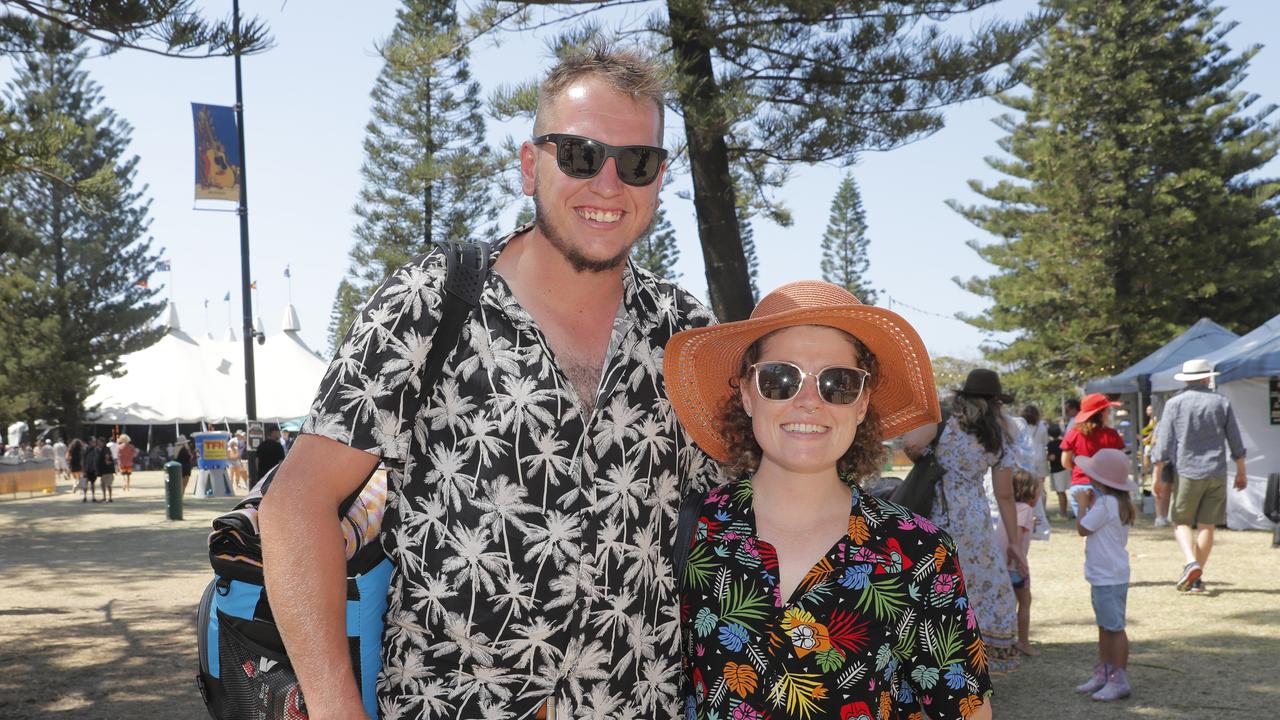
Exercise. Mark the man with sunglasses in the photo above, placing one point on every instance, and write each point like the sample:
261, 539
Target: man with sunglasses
532, 501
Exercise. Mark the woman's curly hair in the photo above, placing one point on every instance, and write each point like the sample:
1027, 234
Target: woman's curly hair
865, 455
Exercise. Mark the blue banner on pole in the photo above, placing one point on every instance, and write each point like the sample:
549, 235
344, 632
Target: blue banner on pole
218, 164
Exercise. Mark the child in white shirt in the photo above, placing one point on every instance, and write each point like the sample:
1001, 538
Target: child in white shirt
1104, 521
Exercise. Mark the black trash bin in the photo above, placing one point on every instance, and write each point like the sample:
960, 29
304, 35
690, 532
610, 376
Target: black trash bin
173, 490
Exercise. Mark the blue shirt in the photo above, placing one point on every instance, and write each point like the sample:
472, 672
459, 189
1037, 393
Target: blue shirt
1197, 427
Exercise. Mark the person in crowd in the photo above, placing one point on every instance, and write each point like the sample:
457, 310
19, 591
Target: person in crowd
286, 440
1038, 427
235, 461
1106, 514
976, 438
549, 448
1072, 408
126, 453
1059, 476
89, 463
106, 468
60, 466
185, 458
1197, 430
270, 452
789, 556
1026, 495
75, 463
1088, 435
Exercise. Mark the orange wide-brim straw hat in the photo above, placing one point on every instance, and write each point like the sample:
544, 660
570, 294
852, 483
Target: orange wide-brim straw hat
700, 364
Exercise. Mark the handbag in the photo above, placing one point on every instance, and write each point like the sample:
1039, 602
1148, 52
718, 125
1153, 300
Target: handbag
918, 490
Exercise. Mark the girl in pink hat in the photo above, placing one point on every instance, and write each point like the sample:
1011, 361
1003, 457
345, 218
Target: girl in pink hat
1106, 514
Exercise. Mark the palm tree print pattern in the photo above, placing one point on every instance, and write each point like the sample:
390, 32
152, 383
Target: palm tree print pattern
878, 627
532, 544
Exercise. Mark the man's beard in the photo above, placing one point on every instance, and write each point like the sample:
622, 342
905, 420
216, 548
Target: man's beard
579, 262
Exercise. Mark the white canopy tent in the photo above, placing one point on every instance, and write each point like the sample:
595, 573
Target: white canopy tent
182, 379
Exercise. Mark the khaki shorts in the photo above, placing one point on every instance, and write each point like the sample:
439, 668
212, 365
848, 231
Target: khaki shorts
1199, 502
107, 480
1060, 480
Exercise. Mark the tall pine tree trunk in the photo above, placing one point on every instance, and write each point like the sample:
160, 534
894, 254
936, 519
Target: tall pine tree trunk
728, 282
68, 400
428, 202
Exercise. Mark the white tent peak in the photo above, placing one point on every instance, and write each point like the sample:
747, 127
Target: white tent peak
171, 317
290, 321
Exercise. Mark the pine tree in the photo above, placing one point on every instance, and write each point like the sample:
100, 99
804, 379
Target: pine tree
844, 244
74, 293
656, 250
428, 174
1132, 207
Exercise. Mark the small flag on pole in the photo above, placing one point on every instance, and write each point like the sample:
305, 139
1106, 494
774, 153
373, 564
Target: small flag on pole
286, 272
253, 285
142, 283
163, 266
227, 297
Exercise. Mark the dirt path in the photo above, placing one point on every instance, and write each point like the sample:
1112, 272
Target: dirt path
97, 606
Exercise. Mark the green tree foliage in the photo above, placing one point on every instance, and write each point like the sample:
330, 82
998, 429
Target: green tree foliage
165, 27
844, 244
656, 250
428, 174
71, 299
761, 86
1131, 208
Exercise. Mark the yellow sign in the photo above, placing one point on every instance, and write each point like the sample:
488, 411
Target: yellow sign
215, 449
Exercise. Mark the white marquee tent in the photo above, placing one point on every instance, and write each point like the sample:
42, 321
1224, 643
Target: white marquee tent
1246, 366
183, 379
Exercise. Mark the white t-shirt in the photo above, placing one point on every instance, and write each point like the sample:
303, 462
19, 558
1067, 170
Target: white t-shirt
1106, 562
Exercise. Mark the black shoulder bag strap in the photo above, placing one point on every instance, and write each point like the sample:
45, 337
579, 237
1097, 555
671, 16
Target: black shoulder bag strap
466, 269
686, 524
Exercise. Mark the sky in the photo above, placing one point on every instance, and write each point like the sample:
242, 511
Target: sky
307, 103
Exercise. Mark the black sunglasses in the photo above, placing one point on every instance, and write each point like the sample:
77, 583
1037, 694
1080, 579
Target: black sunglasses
780, 380
582, 158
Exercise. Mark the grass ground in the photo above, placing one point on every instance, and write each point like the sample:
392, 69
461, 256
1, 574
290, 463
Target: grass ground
97, 610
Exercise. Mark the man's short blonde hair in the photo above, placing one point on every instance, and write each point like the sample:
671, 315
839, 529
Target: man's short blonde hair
628, 71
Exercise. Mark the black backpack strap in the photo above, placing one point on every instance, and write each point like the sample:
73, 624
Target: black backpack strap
466, 269
686, 524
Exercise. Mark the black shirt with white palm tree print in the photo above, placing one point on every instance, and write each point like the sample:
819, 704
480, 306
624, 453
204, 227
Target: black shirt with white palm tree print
532, 544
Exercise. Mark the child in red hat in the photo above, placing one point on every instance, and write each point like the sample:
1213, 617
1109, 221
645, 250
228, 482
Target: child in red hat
1089, 435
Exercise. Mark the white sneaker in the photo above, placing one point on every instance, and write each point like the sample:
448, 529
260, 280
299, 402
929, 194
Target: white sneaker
1117, 687
1163, 522
1095, 683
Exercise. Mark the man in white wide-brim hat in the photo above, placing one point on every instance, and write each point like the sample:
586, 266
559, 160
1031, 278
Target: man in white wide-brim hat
1196, 430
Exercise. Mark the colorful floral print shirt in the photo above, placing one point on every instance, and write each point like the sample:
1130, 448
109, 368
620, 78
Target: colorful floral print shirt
878, 627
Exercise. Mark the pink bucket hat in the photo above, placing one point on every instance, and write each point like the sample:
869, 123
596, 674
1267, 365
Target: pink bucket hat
1109, 467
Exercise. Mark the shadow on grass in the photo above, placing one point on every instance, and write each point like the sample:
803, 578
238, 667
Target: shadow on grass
102, 664
1221, 675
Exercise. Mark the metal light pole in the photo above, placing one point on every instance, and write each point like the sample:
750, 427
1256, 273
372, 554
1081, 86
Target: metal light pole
246, 300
